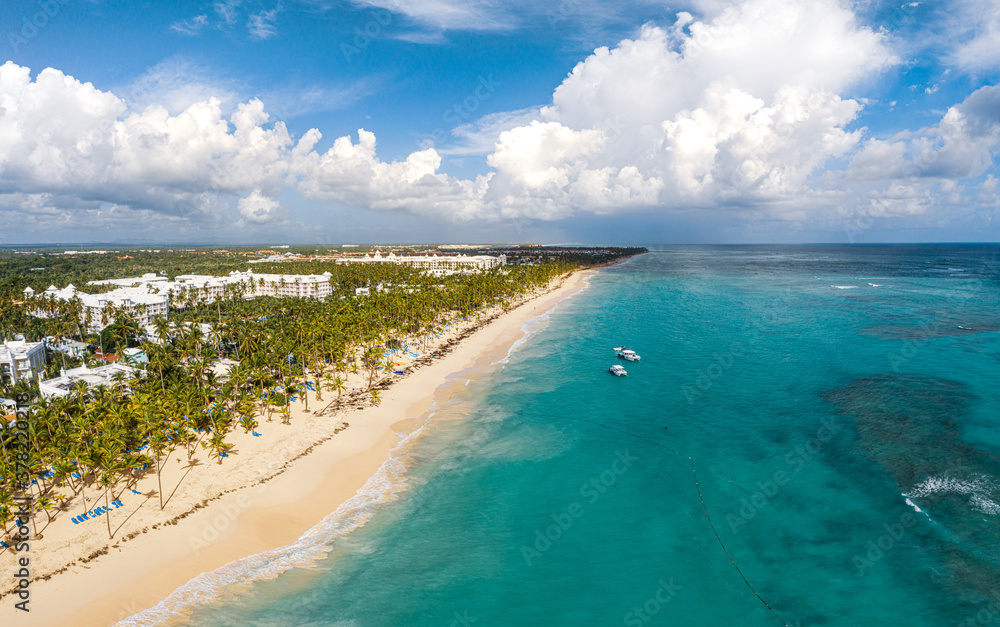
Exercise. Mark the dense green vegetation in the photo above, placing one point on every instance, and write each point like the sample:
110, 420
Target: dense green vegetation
96, 443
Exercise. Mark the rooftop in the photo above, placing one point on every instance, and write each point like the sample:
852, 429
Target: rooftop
102, 375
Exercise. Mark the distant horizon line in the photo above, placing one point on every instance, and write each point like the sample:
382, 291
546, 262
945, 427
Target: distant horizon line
145, 245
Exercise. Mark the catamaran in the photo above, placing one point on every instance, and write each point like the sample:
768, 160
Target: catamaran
617, 370
629, 355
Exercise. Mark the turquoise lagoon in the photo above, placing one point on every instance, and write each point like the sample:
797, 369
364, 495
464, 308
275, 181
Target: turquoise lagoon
837, 407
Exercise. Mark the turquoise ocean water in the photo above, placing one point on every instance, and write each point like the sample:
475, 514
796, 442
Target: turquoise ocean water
837, 406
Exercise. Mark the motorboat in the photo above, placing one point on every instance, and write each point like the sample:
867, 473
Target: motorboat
628, 355
617, 370
618, 348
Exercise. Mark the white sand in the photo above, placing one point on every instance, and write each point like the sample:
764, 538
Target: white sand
241, 515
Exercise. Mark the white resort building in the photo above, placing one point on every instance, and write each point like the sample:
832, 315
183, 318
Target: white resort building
148, 279
92, 377
21, 360
150, 295
95, 312
153, 335
252, 285
433, 264
289, 285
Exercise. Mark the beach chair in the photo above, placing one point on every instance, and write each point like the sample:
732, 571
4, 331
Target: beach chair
75, 521
256, 435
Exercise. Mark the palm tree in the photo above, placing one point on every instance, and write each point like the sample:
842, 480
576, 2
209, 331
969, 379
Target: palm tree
339, 385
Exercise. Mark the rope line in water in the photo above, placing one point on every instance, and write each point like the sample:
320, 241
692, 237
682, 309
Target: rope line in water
703, 505
724, 550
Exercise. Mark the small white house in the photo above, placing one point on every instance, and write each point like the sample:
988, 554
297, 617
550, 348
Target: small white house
63, 385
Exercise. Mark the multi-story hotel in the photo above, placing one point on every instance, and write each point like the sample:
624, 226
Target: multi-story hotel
432, 264
96, 309
150, 295
289, 285
252, 285
21, 360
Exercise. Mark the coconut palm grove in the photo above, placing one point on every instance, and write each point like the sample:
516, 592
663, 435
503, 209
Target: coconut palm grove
89, 447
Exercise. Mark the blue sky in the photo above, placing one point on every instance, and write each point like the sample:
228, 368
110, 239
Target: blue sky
576, 121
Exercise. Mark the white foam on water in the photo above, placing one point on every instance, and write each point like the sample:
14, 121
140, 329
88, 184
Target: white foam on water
913, 505
979, 489
985, 505
845, 287
385, 486
537, 323
940, 485
875, 284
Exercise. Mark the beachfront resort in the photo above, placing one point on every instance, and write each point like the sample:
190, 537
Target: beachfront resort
140, 385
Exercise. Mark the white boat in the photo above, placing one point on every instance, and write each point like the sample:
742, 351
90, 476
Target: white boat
617, 370
618, 348
628, 355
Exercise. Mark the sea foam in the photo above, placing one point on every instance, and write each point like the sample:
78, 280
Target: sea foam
385, 486
979, 490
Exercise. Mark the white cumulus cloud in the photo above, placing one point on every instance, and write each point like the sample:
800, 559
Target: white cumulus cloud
752, 110
259, 209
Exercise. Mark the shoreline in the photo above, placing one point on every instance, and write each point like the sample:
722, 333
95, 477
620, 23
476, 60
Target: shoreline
245, 521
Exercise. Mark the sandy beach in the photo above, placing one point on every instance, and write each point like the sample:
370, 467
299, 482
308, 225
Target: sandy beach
276, 487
